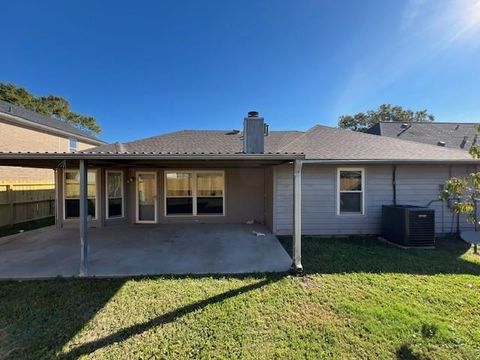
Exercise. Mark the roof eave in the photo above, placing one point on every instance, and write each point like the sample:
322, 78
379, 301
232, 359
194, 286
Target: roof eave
17, 119
392, 161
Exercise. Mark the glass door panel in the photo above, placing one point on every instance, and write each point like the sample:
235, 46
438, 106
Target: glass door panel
146, 197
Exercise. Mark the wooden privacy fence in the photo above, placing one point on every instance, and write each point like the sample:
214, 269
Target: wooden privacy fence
26, 202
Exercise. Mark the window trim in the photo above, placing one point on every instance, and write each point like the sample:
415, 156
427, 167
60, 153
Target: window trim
65, 197
70, 139
362, 171
194, 192
107, 215
137, 210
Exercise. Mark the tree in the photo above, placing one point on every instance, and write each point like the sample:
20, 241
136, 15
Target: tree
386, 112
50, 105
464, 193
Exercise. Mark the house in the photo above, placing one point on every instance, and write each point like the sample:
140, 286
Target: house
23, 130
452, 135
324, 181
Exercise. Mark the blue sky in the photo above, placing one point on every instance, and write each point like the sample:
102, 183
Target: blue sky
147, 67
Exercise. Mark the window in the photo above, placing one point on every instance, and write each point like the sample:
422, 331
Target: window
114, 190
209, 193
194, 193
72, 193
350, 183
179, 194
72, 145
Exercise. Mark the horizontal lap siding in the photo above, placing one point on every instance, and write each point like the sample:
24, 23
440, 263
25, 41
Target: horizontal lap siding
416, 185
420, 185
319, 201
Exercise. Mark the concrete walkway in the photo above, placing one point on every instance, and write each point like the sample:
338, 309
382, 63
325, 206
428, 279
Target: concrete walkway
126, 250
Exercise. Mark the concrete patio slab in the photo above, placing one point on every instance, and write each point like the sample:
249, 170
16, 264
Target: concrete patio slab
129, 250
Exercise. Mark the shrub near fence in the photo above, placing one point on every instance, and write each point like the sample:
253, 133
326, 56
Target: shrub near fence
21, 202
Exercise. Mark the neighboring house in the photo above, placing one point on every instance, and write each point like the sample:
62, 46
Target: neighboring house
451, 135
324, 181
22, 130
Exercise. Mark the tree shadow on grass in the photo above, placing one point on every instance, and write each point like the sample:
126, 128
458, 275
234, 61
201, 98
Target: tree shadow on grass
405, 352
370, 255
37, 318
166, 318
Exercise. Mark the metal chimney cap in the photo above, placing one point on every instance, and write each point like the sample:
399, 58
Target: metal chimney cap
253, 114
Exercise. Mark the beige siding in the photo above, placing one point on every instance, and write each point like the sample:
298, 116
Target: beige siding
269, 188
83, 146
17, 138
416, 185
244, 198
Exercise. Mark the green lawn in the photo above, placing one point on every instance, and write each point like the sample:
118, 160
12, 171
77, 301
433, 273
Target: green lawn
358, 299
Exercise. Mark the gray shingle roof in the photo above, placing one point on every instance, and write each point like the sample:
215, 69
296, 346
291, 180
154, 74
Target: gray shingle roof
51, 122
318, 143
454, 135
326, 143
198, 141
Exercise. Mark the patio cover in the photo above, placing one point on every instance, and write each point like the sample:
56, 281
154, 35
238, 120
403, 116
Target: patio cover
84, 159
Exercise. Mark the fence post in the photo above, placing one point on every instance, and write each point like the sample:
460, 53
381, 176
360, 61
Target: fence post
11, 209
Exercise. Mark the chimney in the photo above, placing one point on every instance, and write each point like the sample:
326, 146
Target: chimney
253, 133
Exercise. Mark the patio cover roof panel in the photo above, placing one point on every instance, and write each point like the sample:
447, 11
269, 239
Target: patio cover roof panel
54, 160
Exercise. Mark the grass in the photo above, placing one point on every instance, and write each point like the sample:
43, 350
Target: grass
26, 226
358, 299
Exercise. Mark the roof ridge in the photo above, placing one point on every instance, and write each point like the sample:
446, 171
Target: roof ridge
428, 122
298, 138
222, 130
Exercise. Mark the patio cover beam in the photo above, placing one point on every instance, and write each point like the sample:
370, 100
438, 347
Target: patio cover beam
297, 216
83, 218
53, 160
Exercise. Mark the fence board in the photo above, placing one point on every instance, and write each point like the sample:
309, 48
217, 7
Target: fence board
21, 202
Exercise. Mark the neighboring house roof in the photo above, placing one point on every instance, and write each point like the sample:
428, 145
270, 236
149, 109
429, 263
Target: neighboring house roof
318, 143
452, 135
43, 121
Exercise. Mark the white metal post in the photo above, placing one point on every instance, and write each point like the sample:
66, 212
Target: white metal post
58, 221
297, 216
83, 218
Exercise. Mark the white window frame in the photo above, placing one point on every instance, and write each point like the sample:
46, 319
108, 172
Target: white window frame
107, 215
70, 148
65, 198
194, 192
137, 212
362, 171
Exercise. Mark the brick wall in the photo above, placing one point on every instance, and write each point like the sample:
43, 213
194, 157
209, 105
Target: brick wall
18, 138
